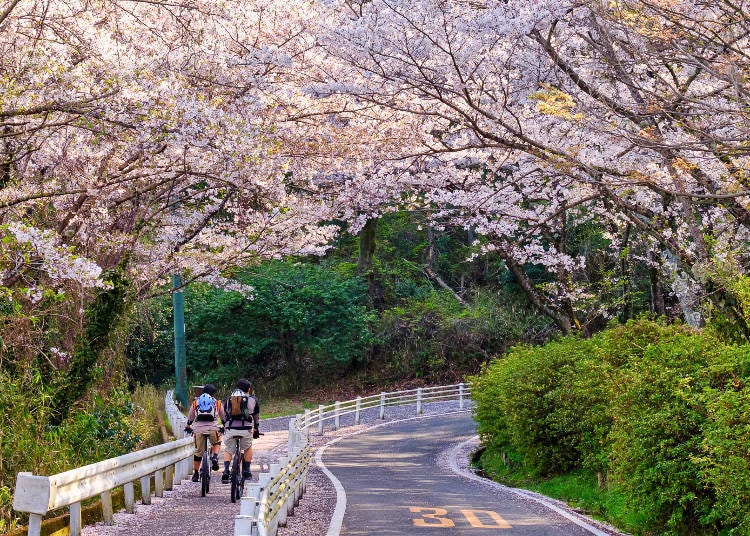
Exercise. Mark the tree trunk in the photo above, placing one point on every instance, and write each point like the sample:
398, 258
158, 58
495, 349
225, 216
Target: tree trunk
365, 265
657, 290
563, 322
627, 286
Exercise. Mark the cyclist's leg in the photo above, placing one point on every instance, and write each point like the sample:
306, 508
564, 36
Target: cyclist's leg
215, 446
230, 446
199, 443
246, 443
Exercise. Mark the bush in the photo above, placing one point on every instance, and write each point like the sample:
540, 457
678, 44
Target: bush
725, 458
662, 409
98, 428
656, 432
535, 402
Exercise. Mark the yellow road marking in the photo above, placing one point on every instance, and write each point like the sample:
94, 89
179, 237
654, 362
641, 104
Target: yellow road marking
473, 519
435, 517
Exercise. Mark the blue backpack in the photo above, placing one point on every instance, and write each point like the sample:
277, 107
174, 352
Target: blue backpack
205, 408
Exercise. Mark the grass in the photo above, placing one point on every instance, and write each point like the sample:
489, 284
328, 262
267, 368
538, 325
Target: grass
578, 489
283, 407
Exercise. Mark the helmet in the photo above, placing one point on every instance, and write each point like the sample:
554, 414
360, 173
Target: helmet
209, 388
205, 402
244, 384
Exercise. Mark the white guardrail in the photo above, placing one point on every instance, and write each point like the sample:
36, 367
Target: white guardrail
267, 504
167, 464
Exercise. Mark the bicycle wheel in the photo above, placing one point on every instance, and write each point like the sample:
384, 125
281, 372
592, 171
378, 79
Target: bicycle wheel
236, 475
240, 485
205, 475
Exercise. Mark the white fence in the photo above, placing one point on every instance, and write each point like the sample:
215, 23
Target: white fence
267, 504
168, 464
418, 397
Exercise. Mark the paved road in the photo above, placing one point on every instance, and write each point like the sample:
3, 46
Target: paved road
395, 485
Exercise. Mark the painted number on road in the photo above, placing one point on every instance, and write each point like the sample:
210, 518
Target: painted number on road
431, 517
438, 517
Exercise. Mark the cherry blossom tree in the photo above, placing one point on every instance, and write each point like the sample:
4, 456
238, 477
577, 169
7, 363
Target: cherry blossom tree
146, 137
631, 114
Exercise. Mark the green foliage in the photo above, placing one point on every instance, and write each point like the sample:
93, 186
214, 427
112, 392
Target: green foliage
433, 336
100, 428
725, 458
304, 323
661, 410
102, 431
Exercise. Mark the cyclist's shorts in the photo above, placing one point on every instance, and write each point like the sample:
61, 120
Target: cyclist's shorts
200, 442
230, 444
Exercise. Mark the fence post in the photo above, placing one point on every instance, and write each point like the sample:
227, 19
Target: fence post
382, 405
461, 395
159, 483
292, 436
107, 511
336, 421
308, 414
169, 477
35, 524
129, 494
320, 418
75, 519
357, 406
146, 489
419, 400
176, 476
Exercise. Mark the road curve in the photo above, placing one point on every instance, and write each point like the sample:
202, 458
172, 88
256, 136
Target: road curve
396, 482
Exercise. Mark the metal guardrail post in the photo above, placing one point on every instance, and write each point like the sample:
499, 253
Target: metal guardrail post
128, 492
382, 405
308, 415
357, 407
419, 400
321, 407
337, 409
107, 510
291, 437
75, 519
159, 483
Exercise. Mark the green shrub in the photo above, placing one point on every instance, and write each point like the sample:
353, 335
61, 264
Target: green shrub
98, 428
662, 410
433, 336
656, 433
725, 458
536, 402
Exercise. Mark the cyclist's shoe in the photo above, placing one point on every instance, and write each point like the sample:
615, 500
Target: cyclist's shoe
196, 476
225, 477
247, 475
215, 462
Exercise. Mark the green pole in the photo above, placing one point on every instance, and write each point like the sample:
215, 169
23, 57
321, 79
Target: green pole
178, 301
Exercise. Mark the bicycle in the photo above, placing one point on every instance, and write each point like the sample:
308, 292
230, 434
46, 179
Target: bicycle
205, 469
236, 475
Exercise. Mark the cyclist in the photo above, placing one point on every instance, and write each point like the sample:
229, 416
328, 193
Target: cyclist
243, 417
202, 419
